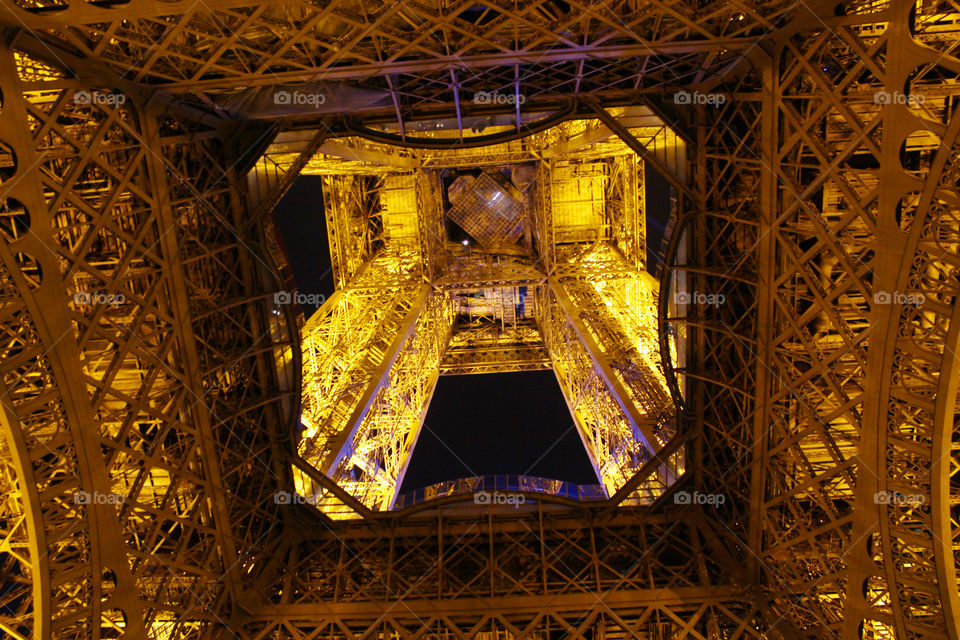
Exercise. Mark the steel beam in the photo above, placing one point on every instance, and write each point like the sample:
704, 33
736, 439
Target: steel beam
641, 424
341, 445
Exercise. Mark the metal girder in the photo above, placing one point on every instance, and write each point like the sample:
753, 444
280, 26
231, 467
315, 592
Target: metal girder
533, 570
26, 596
393, 161
640, 425
491, 337
363, 414
806, 394
341, 444
424, 609
406, 29
817, 198
349, 206
943, 470
275, 171
667, 157
495, 360
618, 435
123, 266
67, 367
397, 57
360, 323
390, 429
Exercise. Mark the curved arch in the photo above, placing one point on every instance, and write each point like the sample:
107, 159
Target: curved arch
24, 525
943, 427
923, 361
667, 283
357, 129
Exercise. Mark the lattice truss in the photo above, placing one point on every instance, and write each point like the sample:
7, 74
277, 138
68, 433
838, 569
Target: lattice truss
367, 451
410, 57
830, 223
150, 385
505, 310
538, 573
143, 376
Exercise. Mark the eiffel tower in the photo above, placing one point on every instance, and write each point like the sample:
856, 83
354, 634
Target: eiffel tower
769, 404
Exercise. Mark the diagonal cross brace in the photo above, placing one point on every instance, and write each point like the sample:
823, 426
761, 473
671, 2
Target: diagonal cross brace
342, 444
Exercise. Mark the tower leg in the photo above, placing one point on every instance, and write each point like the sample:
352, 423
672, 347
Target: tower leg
371, 363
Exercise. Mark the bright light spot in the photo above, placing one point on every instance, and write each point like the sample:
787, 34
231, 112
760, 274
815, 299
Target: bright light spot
466, 242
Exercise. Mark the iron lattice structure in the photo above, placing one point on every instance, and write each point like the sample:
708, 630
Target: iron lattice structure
548, 276
151, 387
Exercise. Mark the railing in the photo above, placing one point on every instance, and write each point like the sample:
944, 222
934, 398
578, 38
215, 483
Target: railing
501, 483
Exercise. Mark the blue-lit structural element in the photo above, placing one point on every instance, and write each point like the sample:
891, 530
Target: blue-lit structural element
501, 482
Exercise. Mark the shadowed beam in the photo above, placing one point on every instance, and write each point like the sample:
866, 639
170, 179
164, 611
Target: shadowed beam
646, 154
365, 154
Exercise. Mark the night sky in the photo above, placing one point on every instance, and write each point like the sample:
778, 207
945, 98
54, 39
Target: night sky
515, 423
658, 214
498, 423
303, 234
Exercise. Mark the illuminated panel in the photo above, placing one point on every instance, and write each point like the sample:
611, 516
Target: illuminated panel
577, 194
399, 212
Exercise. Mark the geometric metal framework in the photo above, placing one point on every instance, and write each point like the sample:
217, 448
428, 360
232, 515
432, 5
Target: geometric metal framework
547, 277
807, 313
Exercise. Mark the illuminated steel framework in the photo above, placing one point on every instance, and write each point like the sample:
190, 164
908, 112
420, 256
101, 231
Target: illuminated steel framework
548, 274
807, 322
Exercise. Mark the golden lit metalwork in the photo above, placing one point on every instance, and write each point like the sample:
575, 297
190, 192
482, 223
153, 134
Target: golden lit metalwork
151, 386
517, 320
